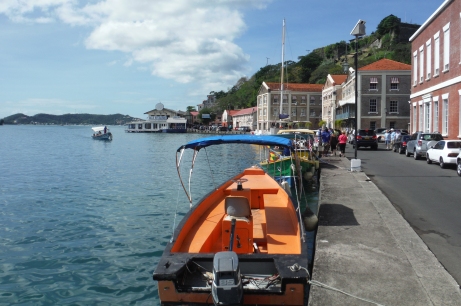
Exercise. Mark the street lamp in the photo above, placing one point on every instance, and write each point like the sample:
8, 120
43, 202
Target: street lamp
358, 30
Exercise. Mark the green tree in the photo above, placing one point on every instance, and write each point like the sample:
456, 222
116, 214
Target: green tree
191, 109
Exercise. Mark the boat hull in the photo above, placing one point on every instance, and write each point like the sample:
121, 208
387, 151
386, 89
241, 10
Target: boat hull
107, 137
266, 252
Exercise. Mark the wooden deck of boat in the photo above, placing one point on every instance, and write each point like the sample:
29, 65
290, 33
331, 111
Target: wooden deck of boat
275, 225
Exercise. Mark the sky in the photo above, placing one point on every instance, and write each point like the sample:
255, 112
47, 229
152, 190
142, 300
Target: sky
125, 56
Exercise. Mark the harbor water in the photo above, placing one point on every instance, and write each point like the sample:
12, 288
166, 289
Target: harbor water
84, 222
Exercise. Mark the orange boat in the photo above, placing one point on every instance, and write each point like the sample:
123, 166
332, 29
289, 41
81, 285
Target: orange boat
242, 244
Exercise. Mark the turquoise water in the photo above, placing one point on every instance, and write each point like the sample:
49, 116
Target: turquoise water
83, 221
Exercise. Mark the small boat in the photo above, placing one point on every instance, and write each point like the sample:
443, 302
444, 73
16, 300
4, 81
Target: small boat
242, 244
101, 133
279, 164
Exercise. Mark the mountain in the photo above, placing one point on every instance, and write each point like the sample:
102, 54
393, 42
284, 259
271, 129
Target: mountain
116, 119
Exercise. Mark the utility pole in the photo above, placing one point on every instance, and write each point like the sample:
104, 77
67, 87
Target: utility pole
267, 61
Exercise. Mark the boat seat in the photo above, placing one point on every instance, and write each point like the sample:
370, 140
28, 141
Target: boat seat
238, 208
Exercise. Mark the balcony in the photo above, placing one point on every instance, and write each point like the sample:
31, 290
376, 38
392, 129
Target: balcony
345, 115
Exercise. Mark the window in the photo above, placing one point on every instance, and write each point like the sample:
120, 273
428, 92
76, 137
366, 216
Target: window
303, 100
445, 115
436, 54
428, 59
394, 83
265, 100
446, 47
312, 100
414, 117
420, 117
303, 112
427, 117
435, 126
392, 124
421, 64
373, 106
275, 113
415, 68
312, 114
372, 125
394, 107
373, 83
293, 112
276, 100
285, 99
293, 100
264, 112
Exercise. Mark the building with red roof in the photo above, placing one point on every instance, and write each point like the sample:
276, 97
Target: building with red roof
384, 92
436, 83
301, 103
331, 93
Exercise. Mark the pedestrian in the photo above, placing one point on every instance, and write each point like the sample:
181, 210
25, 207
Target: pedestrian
342, 143
325, 141
393, 137
105, 129
333, 143
387, 139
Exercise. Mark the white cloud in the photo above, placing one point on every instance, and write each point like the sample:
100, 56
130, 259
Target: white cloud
182, 40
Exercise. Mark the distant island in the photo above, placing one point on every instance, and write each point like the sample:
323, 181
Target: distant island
69, 119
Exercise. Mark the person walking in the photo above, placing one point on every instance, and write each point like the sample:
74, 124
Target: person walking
393, 137
387, 139
326, 141
342, 143
333, 143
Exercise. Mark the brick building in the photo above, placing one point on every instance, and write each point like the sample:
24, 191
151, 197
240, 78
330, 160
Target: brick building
436, 76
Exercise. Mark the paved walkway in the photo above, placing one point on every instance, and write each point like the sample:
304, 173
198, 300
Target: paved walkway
365, 248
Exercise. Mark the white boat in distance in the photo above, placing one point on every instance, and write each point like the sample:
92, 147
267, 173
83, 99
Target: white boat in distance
101, 133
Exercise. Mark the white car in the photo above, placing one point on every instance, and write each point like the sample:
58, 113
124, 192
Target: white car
444, 152
458, 164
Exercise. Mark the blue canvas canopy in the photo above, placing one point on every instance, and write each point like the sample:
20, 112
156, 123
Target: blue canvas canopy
248, 139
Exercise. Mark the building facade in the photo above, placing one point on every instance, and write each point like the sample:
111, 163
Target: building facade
436, 76
384, 92
246, 117
331, 94
301, 102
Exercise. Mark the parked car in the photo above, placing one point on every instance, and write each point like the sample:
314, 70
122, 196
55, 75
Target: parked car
223, 128
244, 129
400, 144
458, 164
366, 138
444, 152
380, 134
419, 143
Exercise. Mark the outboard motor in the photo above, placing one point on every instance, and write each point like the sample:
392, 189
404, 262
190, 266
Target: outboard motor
227, 287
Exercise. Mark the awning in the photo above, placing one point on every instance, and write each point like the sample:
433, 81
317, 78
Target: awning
394, 80
374, 80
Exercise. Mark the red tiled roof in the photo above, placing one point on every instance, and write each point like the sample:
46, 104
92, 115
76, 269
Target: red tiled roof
194, 113
339, 78
233, 112
385, 64
245, 111
296, 87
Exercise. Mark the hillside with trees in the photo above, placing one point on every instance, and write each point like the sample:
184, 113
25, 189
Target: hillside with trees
389, 40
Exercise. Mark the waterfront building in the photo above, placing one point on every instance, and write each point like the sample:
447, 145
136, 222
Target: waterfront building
301, 103
331, 94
